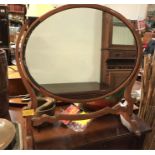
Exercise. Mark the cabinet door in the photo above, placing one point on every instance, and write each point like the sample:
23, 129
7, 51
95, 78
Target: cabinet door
116, 77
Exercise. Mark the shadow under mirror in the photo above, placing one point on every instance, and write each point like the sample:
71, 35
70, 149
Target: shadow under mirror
80, 53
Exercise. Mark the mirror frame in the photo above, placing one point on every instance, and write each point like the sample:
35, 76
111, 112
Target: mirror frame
21, 49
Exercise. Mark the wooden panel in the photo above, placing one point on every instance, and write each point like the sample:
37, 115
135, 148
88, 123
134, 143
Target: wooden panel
118, 54
106, 39
15, 86
17, 8
103, 133
121, 54
116, 77
85, 87
78, 90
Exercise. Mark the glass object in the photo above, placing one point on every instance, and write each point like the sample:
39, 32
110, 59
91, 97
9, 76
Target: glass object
121, 34
63, 54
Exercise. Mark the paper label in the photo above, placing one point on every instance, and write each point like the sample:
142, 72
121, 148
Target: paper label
28, 112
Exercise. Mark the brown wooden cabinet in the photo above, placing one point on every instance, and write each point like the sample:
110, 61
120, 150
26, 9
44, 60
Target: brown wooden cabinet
15, 83
118, 57
104, 133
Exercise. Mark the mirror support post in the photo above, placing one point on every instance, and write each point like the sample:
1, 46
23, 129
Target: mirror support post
127, 118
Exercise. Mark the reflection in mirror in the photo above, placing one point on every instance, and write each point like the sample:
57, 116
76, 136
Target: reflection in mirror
121, 30
64, 54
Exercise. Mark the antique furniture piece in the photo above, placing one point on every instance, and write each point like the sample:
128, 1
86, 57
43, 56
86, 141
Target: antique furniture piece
7, 129
16, 86
4, 104
66, 55
105, 133
119, 53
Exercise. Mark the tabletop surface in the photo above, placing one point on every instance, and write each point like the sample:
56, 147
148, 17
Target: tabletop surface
13, 72
105, 128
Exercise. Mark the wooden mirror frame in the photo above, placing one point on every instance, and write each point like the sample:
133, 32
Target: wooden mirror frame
123, 111
62, 8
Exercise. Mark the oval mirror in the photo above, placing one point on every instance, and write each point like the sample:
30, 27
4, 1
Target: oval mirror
80, 52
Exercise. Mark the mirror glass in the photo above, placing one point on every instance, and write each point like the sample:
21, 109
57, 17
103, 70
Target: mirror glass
121, 30
63, 54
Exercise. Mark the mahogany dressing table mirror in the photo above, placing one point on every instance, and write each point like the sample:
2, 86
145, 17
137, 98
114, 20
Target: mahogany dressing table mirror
83, 53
